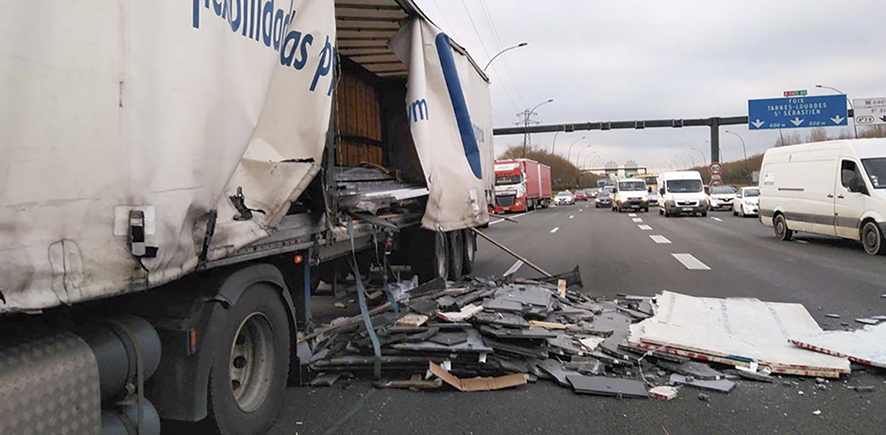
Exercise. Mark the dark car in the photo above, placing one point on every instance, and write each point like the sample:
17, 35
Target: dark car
603, 200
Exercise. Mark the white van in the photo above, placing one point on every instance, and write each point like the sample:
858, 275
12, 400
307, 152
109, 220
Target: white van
835, 188
630, 194
682, 193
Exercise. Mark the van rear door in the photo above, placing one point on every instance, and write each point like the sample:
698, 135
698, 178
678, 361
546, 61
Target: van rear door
849, 200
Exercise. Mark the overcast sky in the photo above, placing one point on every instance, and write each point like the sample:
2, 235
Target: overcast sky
628, 60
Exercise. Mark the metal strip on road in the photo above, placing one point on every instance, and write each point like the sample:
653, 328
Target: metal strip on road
514, 268
555, 230
645, 227
637, 219
513, 217
691, 262
660, 239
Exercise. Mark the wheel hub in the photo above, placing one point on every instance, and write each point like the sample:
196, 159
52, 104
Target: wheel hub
252, 362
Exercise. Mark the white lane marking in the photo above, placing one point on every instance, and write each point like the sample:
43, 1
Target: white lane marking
513, 217
581, 210
570, 217
632, 214
637, 219
805, 242
555, 230
691, 262
717, 219
495, 222
645, 227
514, 268
660, 239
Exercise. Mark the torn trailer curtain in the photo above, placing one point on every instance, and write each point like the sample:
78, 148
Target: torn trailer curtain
164, 106
448, 109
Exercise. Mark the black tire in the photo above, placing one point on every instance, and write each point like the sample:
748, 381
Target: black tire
780, 226
667, 213
734, 213
258, 324
456, 254
704, 214
872, 239
469, 252
645, 209
660, 212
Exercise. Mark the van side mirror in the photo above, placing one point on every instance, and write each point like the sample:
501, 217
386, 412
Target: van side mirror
738, 195
648, 190
661, 191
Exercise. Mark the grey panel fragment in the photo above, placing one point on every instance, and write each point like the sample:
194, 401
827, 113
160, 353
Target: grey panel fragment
691, 368
722, 385
601, 385
555, 369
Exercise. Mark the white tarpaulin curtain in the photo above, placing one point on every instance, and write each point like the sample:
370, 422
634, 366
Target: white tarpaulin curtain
166, 106
448, 108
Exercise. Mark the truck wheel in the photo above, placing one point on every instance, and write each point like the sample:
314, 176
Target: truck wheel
660, 212
704, 214
456, 254
251, 363
469, 252
872, 239
780, 226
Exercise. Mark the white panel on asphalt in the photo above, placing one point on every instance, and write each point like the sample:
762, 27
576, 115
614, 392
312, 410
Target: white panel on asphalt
691, 262
555, 230
514, 268
645, 227
637, 219
660, 239
717, 219
632, 214
570, 217
805, 242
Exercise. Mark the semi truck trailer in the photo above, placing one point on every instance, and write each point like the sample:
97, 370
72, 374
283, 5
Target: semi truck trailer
178, 177
521, 185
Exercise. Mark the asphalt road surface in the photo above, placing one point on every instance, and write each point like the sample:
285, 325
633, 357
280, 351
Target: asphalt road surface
722, 256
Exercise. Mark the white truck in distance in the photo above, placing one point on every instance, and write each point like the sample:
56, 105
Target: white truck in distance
682, 193
630, 195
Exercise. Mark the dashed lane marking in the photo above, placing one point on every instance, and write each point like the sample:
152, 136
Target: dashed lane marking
660, 239
632, 214
581, 210
691, 262
717, 219
805, 242
555, 230
570, 217
637, 219
645, 227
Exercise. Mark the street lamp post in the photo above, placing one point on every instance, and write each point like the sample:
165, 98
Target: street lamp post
569, 154
704, 157
745, 151
593, 153
526, 116
522, 44
554, 145
691, 158
578, 156
854, 126
681, 159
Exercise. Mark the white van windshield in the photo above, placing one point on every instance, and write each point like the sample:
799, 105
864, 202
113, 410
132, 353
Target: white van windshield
631, 186
876, 169
684, 186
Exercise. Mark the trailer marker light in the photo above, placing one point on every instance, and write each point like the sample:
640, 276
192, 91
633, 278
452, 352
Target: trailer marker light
298, 259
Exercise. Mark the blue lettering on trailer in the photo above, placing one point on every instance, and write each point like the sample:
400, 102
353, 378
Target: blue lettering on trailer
262, 22
459, 105
417, 111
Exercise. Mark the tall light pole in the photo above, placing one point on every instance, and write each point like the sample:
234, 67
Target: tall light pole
690, 158
569, 154
593, 153
745, 151
522, 44
554, 145
854, 126
681, 159
578, 156
526, 115
704, 157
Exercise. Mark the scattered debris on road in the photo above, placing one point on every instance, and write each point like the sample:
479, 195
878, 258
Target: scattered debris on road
486, 335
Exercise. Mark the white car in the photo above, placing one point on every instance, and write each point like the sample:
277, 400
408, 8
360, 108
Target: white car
747, 202
722, 197
564, 198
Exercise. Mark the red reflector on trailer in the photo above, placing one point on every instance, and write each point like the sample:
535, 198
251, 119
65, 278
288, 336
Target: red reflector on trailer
192, 341
298, 259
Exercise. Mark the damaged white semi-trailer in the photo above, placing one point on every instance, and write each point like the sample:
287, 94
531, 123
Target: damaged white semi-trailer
178, 175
